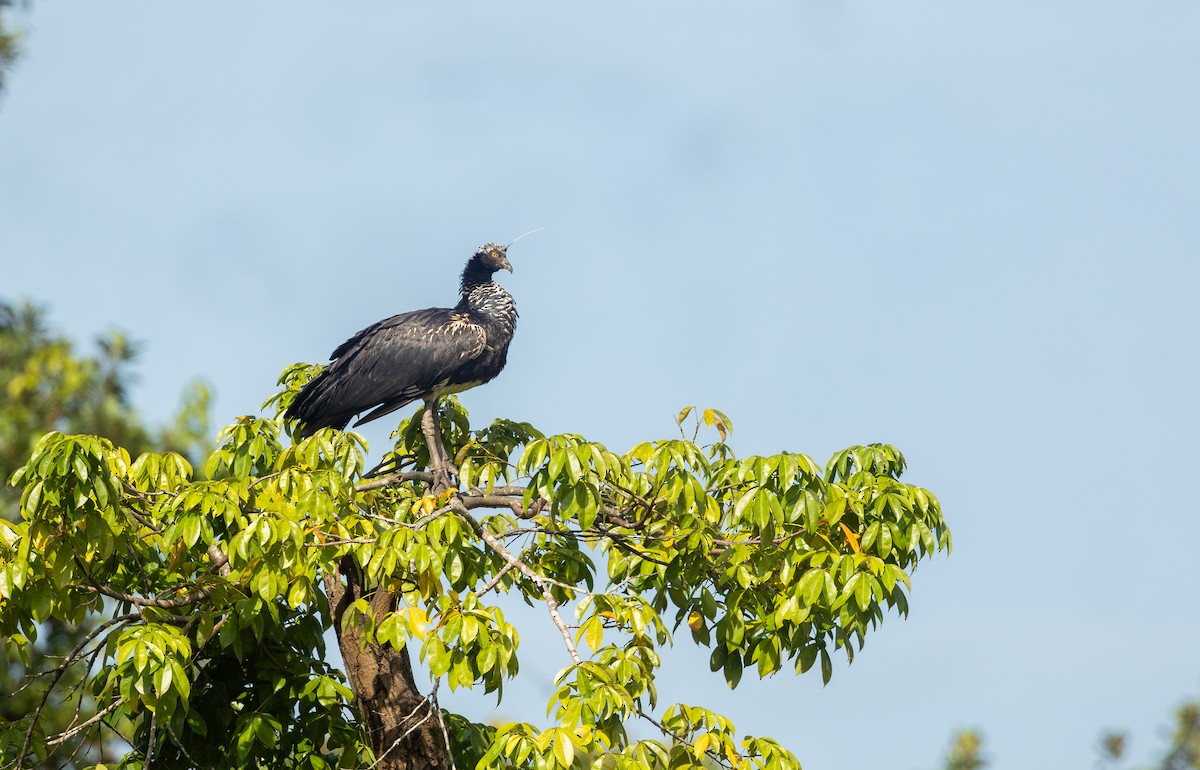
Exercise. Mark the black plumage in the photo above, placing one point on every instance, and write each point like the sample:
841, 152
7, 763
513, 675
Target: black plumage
419, 355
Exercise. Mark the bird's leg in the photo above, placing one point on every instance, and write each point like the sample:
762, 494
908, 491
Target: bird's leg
439, 461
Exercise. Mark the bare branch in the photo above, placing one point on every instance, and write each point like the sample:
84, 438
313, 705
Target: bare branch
66, 735
59, 672
437, 709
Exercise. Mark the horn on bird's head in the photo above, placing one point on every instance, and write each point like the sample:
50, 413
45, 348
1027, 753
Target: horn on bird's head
522, 235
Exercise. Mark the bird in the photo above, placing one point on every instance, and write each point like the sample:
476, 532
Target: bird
422, 354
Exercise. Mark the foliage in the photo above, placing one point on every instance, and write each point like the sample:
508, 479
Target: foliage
966, 752
9, 44
47, 385
211, 593
1183, 752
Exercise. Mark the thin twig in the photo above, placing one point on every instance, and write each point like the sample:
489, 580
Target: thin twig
151, 739
139, 601
437, 709
65, 735
407, 733
495, 581
60, 671
542, 582
398, 477
680, 738
439, 460
334, 543
143, 521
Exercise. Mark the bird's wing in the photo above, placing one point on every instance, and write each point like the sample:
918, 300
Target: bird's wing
401, 358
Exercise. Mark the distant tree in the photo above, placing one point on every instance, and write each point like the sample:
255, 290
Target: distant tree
1182, 753
46, 385
9, 43
210, 596
966, 752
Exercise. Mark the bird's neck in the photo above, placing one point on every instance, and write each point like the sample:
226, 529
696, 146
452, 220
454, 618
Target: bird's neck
473, 276
489, 298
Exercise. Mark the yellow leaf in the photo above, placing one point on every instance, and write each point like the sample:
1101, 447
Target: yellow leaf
851, 538
594, 633
701, 745
564, 750
695, 621
416, 620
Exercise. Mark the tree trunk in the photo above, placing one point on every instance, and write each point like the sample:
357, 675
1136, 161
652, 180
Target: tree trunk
405, 731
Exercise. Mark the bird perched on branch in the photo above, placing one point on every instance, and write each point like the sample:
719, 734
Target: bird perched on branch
424, 354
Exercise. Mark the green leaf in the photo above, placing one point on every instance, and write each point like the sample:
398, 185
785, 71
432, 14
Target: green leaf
733, 670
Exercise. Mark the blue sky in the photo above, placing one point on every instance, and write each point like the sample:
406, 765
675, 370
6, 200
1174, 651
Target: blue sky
968, 229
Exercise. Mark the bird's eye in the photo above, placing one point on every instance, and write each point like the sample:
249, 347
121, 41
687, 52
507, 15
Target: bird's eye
495, 253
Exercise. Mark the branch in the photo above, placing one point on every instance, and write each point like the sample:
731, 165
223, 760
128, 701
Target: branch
60, 671
437, 709
166, 604
495, 581
399, 477
621, 542
440, 466
220, 559
510, 491
66, 735
526, 570
493, 501
409, 731
680, 738
150, 741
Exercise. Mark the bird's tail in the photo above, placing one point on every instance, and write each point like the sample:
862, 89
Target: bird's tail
312, 407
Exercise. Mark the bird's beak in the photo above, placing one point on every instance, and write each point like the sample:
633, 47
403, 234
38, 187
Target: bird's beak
504, 264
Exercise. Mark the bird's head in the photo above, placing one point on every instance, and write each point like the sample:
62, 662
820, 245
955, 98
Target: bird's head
492, 257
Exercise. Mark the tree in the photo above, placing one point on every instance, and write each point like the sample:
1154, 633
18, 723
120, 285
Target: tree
48, 385
966, 752
9, 44
214, 593
1182, 753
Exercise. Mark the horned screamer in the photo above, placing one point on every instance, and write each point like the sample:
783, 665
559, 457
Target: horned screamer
424, 354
